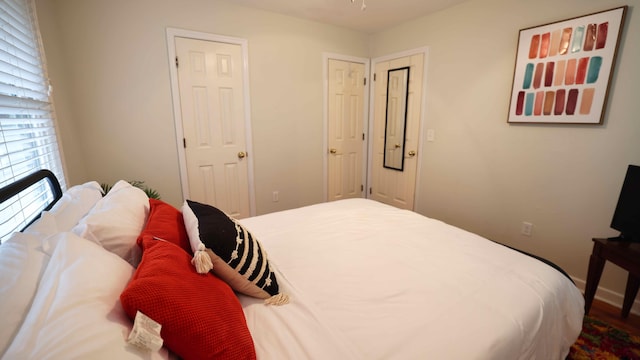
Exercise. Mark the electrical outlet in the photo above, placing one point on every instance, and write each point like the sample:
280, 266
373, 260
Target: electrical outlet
526, 228
275, 196
431, 135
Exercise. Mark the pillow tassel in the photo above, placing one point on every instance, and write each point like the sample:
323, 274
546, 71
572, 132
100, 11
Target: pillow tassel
201, 260
277, 299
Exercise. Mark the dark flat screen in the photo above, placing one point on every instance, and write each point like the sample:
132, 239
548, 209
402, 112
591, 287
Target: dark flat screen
626, 217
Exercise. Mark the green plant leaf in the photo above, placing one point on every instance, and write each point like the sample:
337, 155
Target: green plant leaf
151, 193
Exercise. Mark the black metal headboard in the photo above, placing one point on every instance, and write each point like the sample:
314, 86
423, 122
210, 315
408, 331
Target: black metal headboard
15, 188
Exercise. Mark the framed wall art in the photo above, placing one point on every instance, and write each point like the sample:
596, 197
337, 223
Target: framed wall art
563, 69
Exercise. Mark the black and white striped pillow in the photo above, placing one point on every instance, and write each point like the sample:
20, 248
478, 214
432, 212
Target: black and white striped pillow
236, 256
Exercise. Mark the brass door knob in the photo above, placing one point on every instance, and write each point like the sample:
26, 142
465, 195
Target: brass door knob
411, 153
242, 155
333, 151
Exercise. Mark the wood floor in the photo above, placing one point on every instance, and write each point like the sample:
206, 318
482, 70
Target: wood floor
611, 314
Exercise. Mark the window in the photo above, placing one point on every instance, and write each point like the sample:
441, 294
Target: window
28, 140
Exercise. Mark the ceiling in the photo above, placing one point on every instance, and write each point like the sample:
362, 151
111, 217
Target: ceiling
378, 15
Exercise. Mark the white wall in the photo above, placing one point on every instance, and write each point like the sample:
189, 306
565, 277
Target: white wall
487, 176
108, 61
109, 65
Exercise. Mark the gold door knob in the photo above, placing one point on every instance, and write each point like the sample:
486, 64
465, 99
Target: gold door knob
411, 153
333, 151
242, 155
397, 146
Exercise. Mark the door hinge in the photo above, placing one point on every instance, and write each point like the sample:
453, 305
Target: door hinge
177, 62
184, 143
370, 191
361, 188
362, 136
365, 81
374, 76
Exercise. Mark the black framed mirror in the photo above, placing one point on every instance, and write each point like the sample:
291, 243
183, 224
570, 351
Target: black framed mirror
396, 118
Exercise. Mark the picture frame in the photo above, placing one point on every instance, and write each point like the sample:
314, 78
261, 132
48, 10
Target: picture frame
563, 69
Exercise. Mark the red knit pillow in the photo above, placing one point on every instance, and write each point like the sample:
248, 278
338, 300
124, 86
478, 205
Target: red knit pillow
201, 316
166, 222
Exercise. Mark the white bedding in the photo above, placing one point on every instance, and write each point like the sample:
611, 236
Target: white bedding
73, 312
369, 281
366, 280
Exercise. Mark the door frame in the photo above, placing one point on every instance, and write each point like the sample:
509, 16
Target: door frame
173, 33
325, 116
423, 112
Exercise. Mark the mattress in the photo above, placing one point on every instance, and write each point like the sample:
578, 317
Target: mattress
363, 280
369, 281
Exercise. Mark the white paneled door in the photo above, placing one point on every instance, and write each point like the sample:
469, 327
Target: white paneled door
211, 86
345, 129
391, 186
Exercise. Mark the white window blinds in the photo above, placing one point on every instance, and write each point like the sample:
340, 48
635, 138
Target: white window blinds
28, 139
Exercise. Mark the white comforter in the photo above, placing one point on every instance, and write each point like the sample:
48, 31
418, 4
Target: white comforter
369, 281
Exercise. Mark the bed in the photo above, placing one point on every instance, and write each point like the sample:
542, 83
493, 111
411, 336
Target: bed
352, 279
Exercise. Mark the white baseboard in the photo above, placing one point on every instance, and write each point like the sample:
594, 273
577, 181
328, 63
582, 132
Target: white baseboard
608, 296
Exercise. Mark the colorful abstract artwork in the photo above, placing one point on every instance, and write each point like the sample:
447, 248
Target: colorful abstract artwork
563, 69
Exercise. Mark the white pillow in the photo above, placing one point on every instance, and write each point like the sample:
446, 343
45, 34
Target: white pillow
76, 312
116, 221
45, 225
22, 264
75, 203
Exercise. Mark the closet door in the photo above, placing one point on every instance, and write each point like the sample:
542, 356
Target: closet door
392, 186
345, 129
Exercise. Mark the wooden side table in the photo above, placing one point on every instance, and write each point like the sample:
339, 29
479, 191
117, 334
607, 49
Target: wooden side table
624, 254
